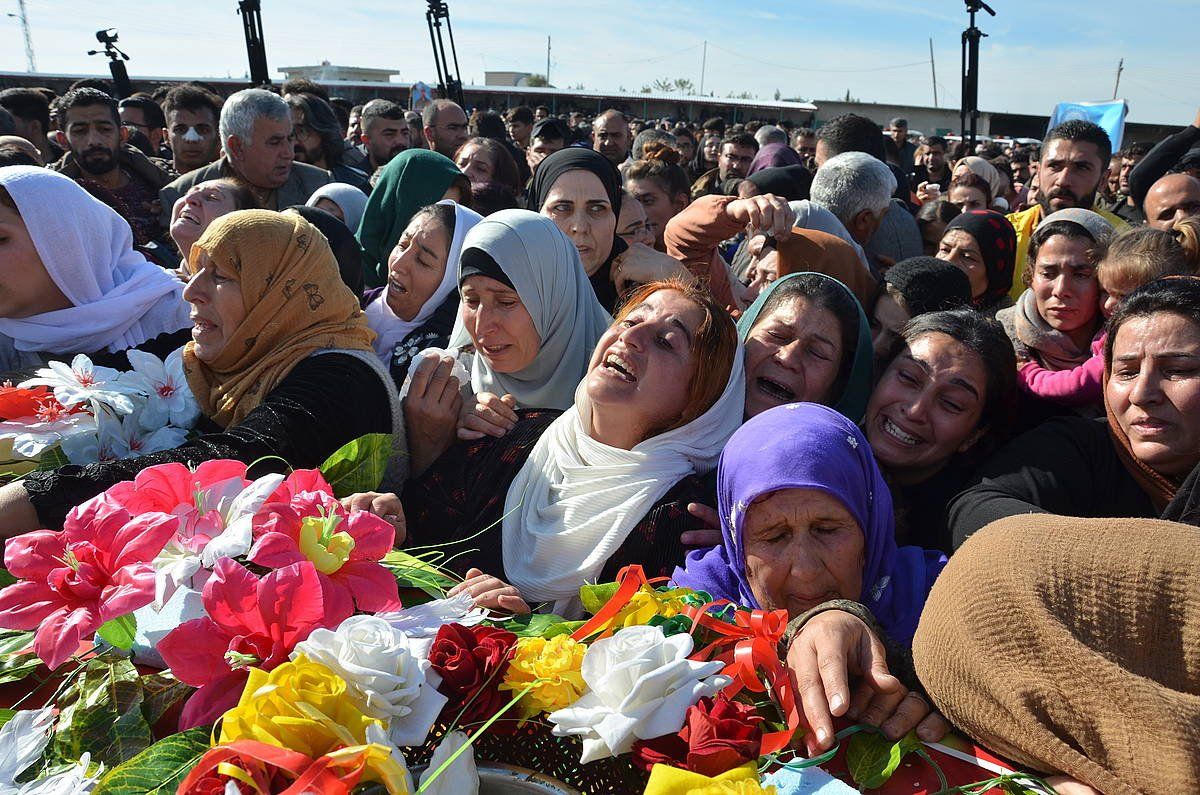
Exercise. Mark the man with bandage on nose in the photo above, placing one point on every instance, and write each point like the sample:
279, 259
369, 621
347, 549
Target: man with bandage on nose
192, 115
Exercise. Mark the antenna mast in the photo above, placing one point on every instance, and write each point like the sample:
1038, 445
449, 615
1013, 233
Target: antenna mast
24, 19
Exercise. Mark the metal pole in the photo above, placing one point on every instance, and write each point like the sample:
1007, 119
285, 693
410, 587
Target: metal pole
933, 71
703, 66
23, 17
547, 60
1120, 68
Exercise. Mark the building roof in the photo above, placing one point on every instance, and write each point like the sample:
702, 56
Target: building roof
652, 97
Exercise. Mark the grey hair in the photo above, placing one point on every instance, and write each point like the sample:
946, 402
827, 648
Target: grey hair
770, 134
852, 182
243, 108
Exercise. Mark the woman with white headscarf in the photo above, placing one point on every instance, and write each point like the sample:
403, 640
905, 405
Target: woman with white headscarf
530, 317
70, 280
345, 202
417, 308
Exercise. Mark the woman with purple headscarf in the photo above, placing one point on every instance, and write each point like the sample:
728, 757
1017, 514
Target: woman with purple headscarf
807, 526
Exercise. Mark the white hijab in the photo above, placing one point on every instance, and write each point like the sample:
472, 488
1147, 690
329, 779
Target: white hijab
544, 267
389, 328
120, 300
352, 201
576, 499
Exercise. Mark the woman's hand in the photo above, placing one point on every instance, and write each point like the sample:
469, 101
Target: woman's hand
707, 536
490, 416
16, 511
769, 214
491, 592
431, 411
386, 506
831, 649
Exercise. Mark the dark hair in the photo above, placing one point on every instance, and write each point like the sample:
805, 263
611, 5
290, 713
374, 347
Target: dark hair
243, 197
324, 122
521, 113
27, 104
1136, 149
193, 99
1081, 131
739, 139
941, 211
150, 110
935, 140
1179, 295
543, 108
444, 215
490, 197
380, 109
95, 83
302, 85
829, 294
84, 98
969, 179
504, 168
660, 162
491, 125
1068, 229
6, 200
8, 125
986, 338
852, 133
715, 124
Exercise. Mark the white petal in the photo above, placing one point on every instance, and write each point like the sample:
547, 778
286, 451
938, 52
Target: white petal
22, 741
462, 777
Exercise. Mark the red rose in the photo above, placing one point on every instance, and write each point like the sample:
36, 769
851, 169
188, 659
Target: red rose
717, 736
470, 661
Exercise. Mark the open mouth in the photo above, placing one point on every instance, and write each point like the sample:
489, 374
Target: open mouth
893, 430
494, 351
775, 390
397, 287
619, 366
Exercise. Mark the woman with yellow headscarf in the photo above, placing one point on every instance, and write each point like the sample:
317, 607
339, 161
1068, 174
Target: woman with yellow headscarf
280, 362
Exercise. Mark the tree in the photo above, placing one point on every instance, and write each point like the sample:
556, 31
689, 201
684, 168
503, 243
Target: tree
664, 86
684, 86
647, 90
536, 81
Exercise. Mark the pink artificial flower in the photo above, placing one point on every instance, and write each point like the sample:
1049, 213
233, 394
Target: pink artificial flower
173, 488
299, 482
250, 622
72, 582
343, 546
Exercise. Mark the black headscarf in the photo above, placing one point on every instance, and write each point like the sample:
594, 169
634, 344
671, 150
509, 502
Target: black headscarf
345, 247
789, 182
998, 244
573, 159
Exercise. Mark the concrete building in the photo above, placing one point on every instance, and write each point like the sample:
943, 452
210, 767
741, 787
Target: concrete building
505, 78
326, 72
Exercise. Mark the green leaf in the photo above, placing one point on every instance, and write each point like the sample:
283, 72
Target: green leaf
160, 692
358, 465
873, 758
17, 660
52, 459
119, 632
158, 769
540, 625
595, 597
412, 572
6, 715
101, 712
6, 579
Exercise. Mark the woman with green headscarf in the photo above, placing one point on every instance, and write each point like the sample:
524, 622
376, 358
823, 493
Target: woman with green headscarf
807, 340
413, 179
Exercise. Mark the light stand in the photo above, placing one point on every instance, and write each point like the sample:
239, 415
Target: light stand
969, 115
256, 46
116, 61
449, 85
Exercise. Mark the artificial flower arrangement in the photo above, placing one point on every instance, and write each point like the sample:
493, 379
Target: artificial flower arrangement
293, 666
80, 413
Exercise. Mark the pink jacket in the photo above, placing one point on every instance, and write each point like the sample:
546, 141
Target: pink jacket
1079, 386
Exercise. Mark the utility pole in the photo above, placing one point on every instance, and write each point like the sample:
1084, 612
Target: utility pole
547, 60
933, 70
1120, 68
24, 20
703, 66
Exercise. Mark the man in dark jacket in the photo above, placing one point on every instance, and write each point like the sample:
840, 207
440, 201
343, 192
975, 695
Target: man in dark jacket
98, 158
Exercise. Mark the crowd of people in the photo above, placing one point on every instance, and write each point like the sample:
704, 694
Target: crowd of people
941, 406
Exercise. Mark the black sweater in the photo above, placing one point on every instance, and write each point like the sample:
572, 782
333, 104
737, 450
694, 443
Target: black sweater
1066, 466
1159, 160
323, 403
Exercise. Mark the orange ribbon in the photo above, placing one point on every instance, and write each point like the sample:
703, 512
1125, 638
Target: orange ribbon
754, 635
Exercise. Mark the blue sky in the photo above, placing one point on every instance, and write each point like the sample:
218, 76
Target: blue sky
1038, 52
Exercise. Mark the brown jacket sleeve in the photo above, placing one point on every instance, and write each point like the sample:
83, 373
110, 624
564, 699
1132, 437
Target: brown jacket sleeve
692, 238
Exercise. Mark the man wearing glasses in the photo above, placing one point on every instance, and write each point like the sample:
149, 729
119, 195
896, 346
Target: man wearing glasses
445, 126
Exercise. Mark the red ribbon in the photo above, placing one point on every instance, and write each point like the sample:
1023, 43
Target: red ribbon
754, 636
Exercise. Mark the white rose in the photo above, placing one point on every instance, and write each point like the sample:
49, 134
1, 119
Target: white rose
387, 673
641, 684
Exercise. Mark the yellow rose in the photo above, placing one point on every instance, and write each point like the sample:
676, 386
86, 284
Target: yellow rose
379, 763
646, 604
302, 706
552, 667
